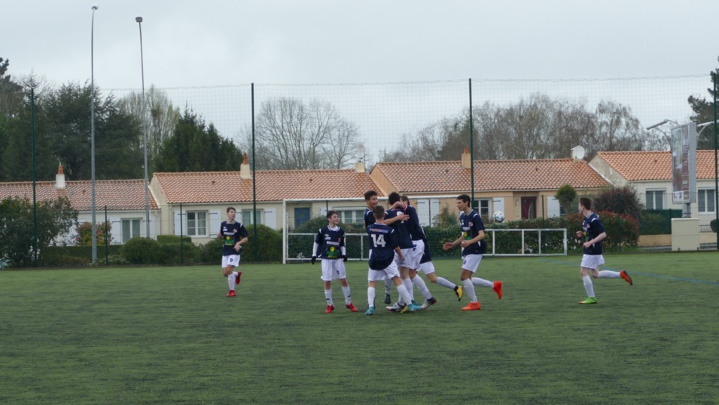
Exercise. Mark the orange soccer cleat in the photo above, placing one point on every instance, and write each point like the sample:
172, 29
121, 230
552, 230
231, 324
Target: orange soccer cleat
329, 309
351, 307
498, 289
623, 274
231, 293
473, 306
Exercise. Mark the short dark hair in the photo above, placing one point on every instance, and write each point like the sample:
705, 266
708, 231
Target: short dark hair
463, 197
404, 198
393, 197
230, 208
369, 194
586, 203
378, 212
330, 213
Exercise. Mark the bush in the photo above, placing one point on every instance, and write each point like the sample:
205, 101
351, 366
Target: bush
268, 242
210, 252
70, 261
713, 225
620, 200
141, 251
56, 255
173, 239
84, 233
177, 253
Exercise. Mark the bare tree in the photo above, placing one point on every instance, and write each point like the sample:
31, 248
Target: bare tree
616, 129
159, 117
294, 135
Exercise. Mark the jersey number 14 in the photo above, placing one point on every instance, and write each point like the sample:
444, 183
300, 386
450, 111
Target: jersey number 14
378, 240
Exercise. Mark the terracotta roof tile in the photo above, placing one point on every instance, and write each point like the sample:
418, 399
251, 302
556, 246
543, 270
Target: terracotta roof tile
490, 175
272, 185
654, 165
115, 194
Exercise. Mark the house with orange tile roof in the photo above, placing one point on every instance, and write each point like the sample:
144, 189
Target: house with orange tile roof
650, 173
194, 203
520, 188
124, 201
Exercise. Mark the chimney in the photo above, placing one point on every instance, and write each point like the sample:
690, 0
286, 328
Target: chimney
359, 167
60, 179
466, 159
245, 173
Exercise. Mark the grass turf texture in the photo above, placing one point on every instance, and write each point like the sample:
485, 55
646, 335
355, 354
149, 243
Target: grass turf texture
160, 335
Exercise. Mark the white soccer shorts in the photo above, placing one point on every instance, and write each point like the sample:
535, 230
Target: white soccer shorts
592, 261
333, 269
405, 258
415, 255
390, 272
230, 260
471, 262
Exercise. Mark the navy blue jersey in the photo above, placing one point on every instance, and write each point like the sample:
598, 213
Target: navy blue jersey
329, 242
415, 229
368, 217
382, 243
471, 225
593, 227
427, 256
404, 239
231, 234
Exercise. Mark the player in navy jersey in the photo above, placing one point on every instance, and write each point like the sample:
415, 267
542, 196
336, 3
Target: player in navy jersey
234, 235
423, 259
593, 234
404, 240
372, 201
383, 248
329, 246
473, 248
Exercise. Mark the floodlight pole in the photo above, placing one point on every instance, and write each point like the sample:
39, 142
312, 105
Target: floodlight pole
144, 132
92, 134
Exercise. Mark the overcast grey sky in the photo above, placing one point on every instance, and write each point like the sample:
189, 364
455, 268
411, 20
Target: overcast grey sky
221, 42
191, 44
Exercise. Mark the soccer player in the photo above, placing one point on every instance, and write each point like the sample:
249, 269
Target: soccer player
413, 257
421, 249
594, 234
330, 244
371, 200
404, 240
234, 235
473, 248
382, 264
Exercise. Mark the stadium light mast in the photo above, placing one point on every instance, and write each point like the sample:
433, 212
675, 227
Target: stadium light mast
144, 132
92, 135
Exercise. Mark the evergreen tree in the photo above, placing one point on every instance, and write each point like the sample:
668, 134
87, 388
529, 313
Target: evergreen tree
703, 111
195, 146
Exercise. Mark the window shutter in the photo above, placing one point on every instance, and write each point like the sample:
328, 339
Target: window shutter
178, 222
271, 218
552, 207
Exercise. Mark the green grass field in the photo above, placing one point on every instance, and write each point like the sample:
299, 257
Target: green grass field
162, 335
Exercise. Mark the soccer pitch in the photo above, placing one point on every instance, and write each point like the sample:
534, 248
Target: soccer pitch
169, 335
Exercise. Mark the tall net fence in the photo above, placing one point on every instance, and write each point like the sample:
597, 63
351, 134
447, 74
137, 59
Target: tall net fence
387, 117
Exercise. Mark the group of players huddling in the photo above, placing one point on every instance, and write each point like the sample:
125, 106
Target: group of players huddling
398, 250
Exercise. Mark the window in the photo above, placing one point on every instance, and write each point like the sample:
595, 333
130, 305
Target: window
705, 198
302, 215
482, 208
130, 229
247, 217
352, 216
655, 199
197, 223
